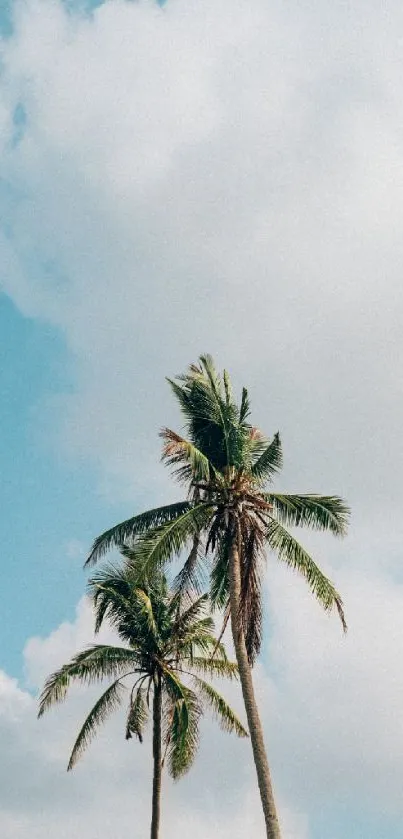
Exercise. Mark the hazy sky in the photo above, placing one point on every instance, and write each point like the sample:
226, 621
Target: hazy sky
221, 177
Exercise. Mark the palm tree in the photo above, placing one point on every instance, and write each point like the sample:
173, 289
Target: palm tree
168, 642
230, 515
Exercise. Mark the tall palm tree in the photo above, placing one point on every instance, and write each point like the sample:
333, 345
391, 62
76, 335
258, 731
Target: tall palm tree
232, 516
168, 645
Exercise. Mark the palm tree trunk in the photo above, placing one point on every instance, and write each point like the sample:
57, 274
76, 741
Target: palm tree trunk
157, 756
252, 713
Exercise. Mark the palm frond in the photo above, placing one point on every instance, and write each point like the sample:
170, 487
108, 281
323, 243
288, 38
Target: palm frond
269, 461
227, 718
111, 598
319, 512
189, 618
288, 550
162, 544
97, 662
219, 581
251, 586
201, 641
244, 410
189, 462
107, 703
184, 728
127, 530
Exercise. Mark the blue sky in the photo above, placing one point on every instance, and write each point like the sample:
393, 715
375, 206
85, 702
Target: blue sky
207, 177
47, 504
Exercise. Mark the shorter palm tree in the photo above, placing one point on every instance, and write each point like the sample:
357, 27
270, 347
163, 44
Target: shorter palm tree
168, 645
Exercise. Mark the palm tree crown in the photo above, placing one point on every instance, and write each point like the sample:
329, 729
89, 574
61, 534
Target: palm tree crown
225, 462
166, 647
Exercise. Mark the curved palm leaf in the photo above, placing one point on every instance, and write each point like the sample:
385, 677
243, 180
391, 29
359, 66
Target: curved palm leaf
187, 619
184, 729
189, 461
162, 544
319, 512
127, 530
244, 410
269, 462
93, 664
293, 554
107, 703
228, 720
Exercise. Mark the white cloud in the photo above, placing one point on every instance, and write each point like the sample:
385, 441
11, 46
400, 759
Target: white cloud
213, 177
338, 698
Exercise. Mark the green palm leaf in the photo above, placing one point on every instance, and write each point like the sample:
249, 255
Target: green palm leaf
244, 410
127, 530
93, 664
269, 462
288, 550
110, 601
183, 736
162, 544
107, 703
319, 512
228, 720
186, 620
219, 582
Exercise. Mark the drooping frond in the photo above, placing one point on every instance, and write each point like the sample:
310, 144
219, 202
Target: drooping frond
97, 662
162, 544
107, 703
219, 582
227, 718
184, 729
111, 600
288, 550
251, 586
137, 716
269, 461
319, 512
127, 530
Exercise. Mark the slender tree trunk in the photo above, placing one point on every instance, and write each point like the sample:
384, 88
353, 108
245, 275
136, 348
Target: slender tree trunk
252, 713
157, 755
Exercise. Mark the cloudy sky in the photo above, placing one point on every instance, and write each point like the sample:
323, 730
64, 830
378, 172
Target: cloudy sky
222, 177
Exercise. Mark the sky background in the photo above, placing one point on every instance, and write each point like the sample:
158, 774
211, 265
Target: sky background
176, 179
